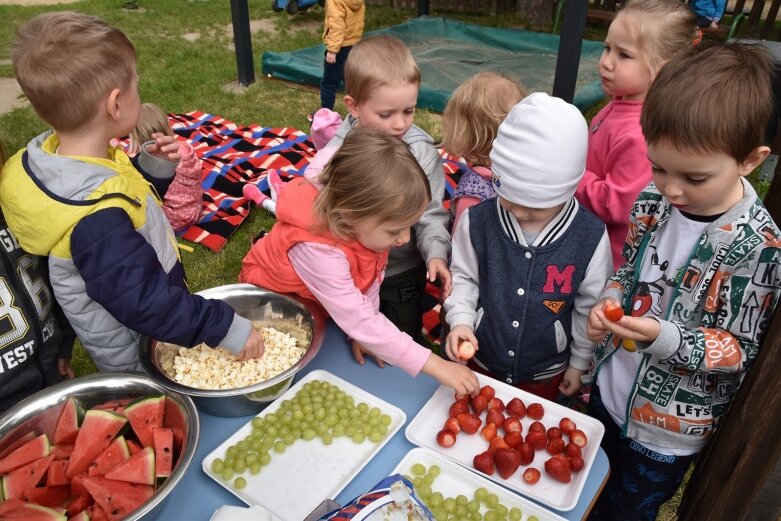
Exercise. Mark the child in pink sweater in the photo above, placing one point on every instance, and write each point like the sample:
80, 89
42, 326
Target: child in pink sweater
469, 125
644, 35
334, 230
183, 201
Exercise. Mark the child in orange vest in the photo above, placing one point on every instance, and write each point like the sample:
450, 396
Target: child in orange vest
331, 244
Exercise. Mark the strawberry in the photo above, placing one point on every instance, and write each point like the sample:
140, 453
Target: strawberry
558, 468
572, 451
512, 425
458, 407
487, 391
516, 408
461, 397
466, 350
507, 462
495, 416
495, 403
535, 411
576, 464
578, 437
537, 427
527, 453
555, 446
513, 439
470, 423
488, 432
479, 404
613, 311
451, 424
531, 475
496, 444
553, 432
566, 425
446, 438
484, 462
537, 440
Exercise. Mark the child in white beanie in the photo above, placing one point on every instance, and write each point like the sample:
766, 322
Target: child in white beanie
528, 265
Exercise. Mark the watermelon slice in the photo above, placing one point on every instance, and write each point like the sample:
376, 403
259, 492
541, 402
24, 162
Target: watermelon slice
164, 451
133, 447
81, 516
97, 514
116, 406
31, 451
77, 485
140, 468
115, 453
56, 496
117, 498
96, 433
32, 512
144, 415
19, 482
62, 452
16, 444
56, 474
79, 504
10, 504
68, 424
174, 419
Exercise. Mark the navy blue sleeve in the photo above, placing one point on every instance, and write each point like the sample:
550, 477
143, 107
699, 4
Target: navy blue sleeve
122, 273
161, 184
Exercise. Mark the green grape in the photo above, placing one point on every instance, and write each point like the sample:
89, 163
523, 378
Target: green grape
491, 500
356, 413
363, 407
229, 462
271, 418
480, 494
417, 481
439, 514
298, 415
343, 413
331, 420
251, 458
450, 505
256, 445
327, 438
461, 510
319, 413
257, 431
257, 422
307, 408
231, 451
374, 421
309, 434
254, 469
461, 500
501, 510
265, 458
350, 430
359, 437
374, 412
532, 518
338, 430
490, 516
436, 499
227, 474
385, 419
240, 466
279, 447
516, 514
217, 466
476, 515
376, 436
424, 491
267, 443
382, 429
271, 430
285, 429
418, 469
473, 505
288, 439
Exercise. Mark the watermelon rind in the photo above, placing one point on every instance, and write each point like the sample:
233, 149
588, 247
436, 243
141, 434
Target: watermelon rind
16, 484
117, 498
30, 435
115, 453
96, 433
33, 450
140, 468
81, 516
33, 512
68, 424
145, 415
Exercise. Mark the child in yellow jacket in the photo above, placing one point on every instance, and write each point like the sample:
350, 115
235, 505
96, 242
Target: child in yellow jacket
342, 29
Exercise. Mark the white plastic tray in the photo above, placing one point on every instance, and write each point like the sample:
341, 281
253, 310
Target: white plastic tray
455, 480
422, 431
299, 479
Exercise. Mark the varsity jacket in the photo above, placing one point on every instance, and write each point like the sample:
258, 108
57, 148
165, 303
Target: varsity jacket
430, 238
113, 260
343, 24
35, 333
527, 304
720, 309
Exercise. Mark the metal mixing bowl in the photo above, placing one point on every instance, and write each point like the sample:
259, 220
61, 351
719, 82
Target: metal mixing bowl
40, 412
300, 318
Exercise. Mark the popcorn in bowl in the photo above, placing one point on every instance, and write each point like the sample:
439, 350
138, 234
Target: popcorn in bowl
205, 368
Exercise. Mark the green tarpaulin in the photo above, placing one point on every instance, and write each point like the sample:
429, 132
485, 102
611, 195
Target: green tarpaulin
449, 51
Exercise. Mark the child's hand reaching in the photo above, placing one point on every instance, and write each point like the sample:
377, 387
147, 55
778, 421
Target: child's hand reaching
458, 334
571, 383
595, 328
456, 376
164, 147
254, 348
64, 369
437, 269
360, 352
639, 329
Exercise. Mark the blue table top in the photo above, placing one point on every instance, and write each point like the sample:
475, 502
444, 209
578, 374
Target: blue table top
197, 496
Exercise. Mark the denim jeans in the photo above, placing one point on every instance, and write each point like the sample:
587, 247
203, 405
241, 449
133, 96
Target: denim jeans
333, 75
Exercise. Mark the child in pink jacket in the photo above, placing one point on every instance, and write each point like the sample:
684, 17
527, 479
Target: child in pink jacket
183, 201
644, 36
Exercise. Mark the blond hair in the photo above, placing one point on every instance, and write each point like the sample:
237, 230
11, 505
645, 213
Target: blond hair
661, 28
376, 62
372, 176
474, 112
151, 120
714, 98
68, 63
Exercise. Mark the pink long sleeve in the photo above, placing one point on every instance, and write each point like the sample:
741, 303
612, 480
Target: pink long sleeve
183, 201
325, 271
617, 170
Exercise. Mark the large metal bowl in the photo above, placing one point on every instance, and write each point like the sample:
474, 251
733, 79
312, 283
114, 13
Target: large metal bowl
300, 318
39, 413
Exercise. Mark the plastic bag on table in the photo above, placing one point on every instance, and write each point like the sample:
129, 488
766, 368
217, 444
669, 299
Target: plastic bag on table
392, 499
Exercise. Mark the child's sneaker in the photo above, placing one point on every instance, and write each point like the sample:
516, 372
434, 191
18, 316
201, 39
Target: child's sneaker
275, 183
253, 193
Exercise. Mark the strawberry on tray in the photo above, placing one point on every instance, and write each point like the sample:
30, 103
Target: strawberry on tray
526, 443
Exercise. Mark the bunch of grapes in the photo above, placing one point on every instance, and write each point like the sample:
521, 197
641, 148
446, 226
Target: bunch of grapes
319, 410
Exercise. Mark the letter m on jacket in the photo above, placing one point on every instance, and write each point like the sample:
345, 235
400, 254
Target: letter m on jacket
558, 281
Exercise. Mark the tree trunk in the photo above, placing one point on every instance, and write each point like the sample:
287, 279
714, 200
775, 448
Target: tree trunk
537, 12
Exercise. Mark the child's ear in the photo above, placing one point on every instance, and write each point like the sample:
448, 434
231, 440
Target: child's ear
754, 159
112, 104
351, 105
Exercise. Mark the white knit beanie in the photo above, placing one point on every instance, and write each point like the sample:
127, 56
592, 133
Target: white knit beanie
539, 154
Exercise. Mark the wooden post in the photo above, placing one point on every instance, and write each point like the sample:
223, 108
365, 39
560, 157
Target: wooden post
732, 469
242, 40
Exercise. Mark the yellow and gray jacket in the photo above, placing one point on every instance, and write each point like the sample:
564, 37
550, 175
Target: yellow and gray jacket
113, 259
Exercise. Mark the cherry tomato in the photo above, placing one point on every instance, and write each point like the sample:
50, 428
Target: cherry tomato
466, 350
613, 311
